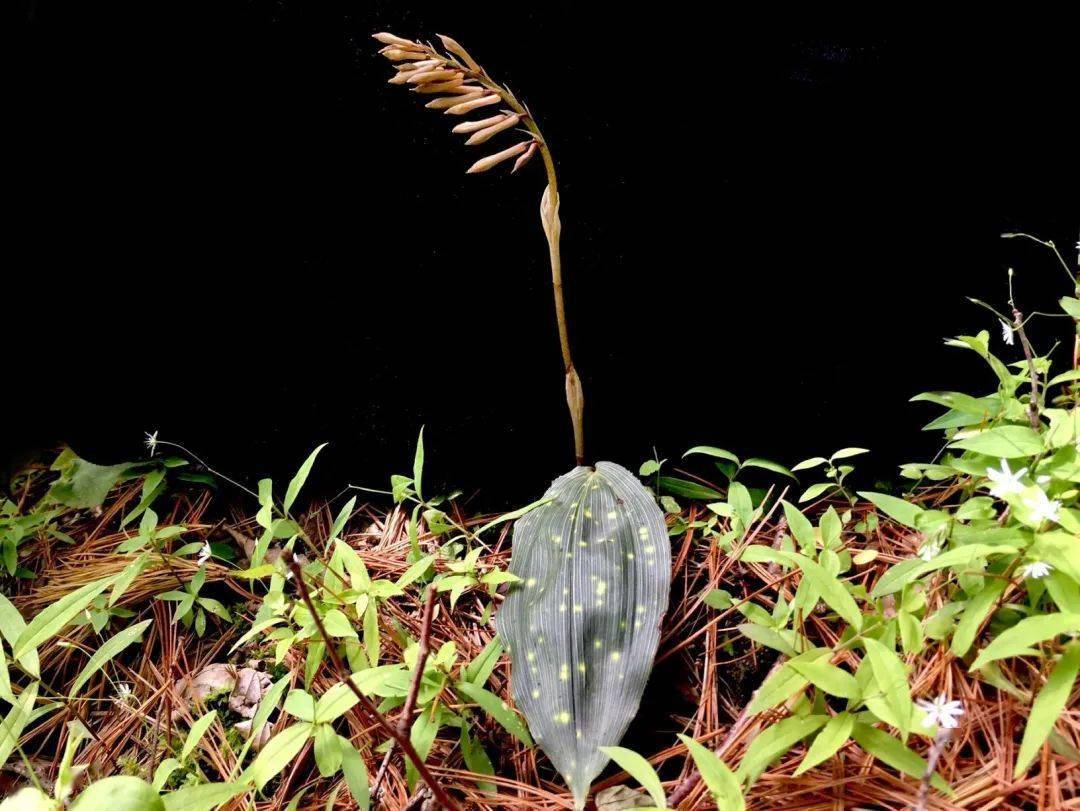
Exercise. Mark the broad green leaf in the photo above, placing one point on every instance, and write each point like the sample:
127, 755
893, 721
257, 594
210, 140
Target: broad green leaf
774, 741
890, 676
892, 752
53, 619
198, 729
13, 724
277, 754
766, 464
845, 453
1018, 640
497, 709
106, 652
478, 671
371, 632
300, 704
29, 798
896, 508
298, 480
800, 526
202, 798
416, 571
828, 677
1005, 441
768, 637
718, 778
422, 736
640, 769
337, 624
583, 624
12, 626
476, 760
960, 558
356, 774
1048, 707
828, 742
975, 613
832, 591
83, 484
716, 453
327, 750
334, 703
163, 771
684, 488
119, 793
418, 464
342, 519
778, 688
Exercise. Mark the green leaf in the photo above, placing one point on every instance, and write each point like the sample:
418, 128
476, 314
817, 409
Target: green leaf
334, 703
686, 489
16, 720
640, 769
845, 453
83, 484
164, 771
583, 624
1005, 441
277, 754
300, 704
899, 510
975, 613
892, 752
12, 626
327, 750
119, 793
476, 760
106, 652
198, 729
890, 676
1018, 640
371, 633
828, 742
416, 571
418, 464
961, 557
478, 671
825, 676
778, 688
800, 526
774, 741
342, 519
716, 453
356, 774
204, 797
1048, 707
719, 779
338, 625
126, 578
53, 619
298, 480
832, 591
766, 464
497, 709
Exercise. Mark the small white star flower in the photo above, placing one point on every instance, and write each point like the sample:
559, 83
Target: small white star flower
1005, 482
1037, 570
941, 711
1043, 508
151, 442
1007, 333
204, 553
930, 550
123, 693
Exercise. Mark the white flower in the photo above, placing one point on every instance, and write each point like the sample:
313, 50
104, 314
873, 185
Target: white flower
123, 693
1037, 570
930, 550
1007, 333
1005, 482
151, 442
204, 552
941, 711
1043, 508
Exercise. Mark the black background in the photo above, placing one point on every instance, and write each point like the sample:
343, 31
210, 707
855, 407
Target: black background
225, 226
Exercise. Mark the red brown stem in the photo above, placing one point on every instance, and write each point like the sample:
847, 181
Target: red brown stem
365, 702
414, 688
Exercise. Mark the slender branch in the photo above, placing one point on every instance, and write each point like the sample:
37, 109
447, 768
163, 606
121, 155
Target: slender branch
940, 742
365, 702
414, 688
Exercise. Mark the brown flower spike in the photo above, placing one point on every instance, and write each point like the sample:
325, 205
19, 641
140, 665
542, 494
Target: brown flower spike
460, 85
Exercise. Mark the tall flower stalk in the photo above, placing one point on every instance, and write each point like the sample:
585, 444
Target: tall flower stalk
461, 86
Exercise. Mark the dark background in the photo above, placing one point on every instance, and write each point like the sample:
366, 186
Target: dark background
225, 226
